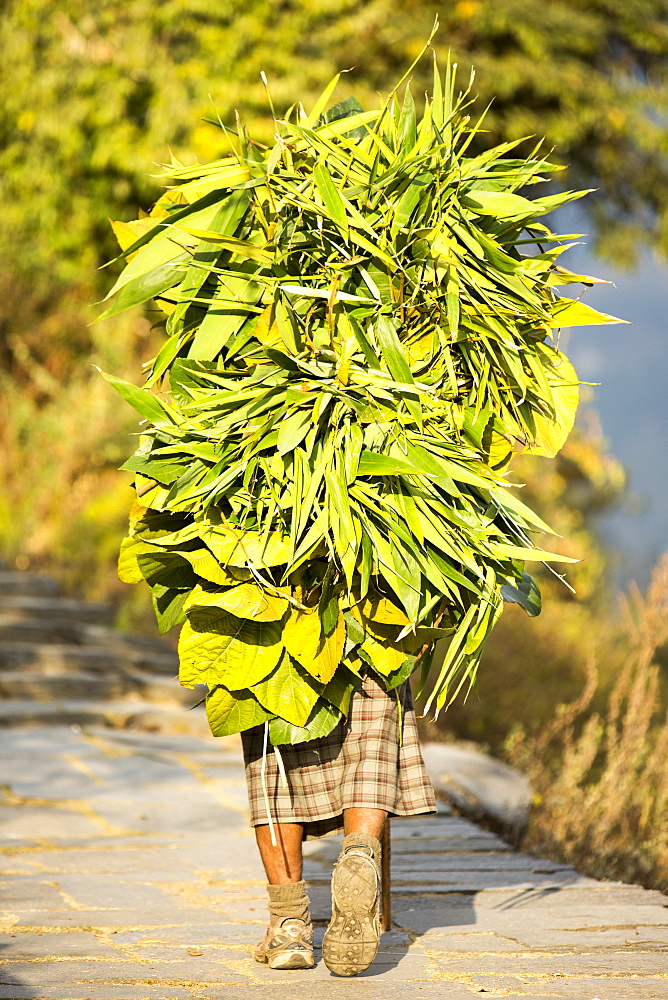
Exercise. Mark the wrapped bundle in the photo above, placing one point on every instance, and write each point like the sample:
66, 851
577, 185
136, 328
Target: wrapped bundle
360, 329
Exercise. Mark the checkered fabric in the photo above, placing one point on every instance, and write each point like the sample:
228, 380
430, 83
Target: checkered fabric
360, 763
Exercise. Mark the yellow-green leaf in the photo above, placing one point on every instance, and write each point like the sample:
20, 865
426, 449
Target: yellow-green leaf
288, 692
247, 600
331, 196
572, 312
551, 432
499, 204
234, 547
503, 551
204, 564
215, 647
128, 568
385, 657
320, 656
242, 247
233, 713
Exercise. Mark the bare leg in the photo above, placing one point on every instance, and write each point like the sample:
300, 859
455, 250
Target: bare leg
283, 863
363, 820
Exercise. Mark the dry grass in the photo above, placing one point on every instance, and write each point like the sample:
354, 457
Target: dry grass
601, 778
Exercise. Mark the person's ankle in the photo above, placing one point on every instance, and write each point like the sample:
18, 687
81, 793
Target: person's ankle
363, 840
288, 901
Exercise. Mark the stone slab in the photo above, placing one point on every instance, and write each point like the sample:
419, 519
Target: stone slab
172, 905
75, 944
20, 991
121, 970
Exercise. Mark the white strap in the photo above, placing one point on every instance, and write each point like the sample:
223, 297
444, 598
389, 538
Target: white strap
263, 778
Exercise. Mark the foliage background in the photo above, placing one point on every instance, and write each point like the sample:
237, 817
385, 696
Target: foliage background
95, 93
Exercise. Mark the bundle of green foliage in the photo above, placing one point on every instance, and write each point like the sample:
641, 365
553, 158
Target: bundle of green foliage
356, 344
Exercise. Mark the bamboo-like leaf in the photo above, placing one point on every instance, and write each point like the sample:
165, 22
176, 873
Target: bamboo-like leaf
147, 286
241, 247
292, 431
331, 196
499, 204
552, 432
526, 594
572, 312
144, 402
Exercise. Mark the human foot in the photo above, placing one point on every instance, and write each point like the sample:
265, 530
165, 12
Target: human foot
287, 944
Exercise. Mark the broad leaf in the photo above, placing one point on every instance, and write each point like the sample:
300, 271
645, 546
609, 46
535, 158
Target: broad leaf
247, 600
289, 692
324, 718
230, 713
319, 655
217, 648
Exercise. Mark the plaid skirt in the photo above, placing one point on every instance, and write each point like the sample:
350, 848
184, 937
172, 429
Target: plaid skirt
360, 763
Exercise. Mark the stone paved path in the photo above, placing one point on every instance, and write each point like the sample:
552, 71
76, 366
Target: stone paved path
130, 873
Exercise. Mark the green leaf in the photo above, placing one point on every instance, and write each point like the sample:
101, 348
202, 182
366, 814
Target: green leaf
354, 629
499, 204
328, 605
572, 312
392, 350
163, 472
324, 718
340, 689
144, 402
168, 606
128, 568
246, 250
396, 677
330, 196
505, 551
320, 105
169, 569
215, 647
292, 431
289, 692
147, 286
552, 431
526, 594
373, 464
230, 713
318, 654
206, 567
237, 548
155, 247
247, 600
225, 316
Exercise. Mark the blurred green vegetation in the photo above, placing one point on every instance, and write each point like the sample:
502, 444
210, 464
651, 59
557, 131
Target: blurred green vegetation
95, 94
